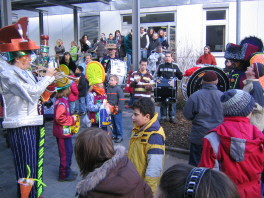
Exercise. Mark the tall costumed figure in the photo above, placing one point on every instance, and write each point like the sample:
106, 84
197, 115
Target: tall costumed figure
21, 93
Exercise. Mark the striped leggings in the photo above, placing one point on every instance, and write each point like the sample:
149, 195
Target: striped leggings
26, 144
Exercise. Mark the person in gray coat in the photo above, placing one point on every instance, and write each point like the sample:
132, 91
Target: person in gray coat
205, 111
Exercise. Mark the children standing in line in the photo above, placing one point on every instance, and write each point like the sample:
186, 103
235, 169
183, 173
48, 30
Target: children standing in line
82, 88
254, 88
61, 130
236, 146
182, 180
115, 97
147, 142
105, 169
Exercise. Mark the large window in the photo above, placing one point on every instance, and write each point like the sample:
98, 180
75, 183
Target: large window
215, 30
89, 25
151, 18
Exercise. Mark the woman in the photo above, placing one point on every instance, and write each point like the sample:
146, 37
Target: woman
67, 60
106, 170
85, 43
207, 57
59, 49
74, 51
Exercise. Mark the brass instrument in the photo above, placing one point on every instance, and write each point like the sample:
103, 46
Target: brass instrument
60, 75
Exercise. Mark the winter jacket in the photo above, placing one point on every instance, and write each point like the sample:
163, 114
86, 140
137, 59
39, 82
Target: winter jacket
74, 53
129, 89
99, 48
141, 90
82, 85
115, 97
169, 70
74, 95
255, 89
144, 41
236, 148
117, 177
236, 78
153, 44
128, 44
206, 59
205, 110
147, 151
62, 118
71, 65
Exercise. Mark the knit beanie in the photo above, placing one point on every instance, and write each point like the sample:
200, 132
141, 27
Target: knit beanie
210, 76
237, 102
258, 69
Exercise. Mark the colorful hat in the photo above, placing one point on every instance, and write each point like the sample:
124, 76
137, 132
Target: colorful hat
240, 52
95, 73
237, 102
258, 69
44, 43
209, 76
63, 83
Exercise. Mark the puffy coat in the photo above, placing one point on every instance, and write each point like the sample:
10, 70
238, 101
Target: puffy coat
206, 59
147, 151
116, 178
236, 148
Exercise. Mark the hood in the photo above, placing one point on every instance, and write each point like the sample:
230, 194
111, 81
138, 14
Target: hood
152, 125
238, 136
98, 181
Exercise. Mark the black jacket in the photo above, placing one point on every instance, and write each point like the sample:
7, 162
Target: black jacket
168, 70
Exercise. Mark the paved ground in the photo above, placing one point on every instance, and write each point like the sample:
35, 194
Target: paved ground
54, 188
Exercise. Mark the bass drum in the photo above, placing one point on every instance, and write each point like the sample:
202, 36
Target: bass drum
119, 68
163, 91
190, 84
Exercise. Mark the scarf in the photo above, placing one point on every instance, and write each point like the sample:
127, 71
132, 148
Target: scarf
99, 90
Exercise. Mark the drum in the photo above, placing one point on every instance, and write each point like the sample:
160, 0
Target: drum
190, 84
119, 68
163, 91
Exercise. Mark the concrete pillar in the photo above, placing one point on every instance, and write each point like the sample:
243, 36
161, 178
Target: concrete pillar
136, 36
75, 24
41, 24
5, 13
238, 21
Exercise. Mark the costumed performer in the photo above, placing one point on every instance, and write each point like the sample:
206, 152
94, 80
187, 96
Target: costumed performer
21, 94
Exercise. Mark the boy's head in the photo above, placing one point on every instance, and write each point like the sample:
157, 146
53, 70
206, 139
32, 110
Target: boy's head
237, 103
79, 70
143, 111
113, 80
258, 68
210, 77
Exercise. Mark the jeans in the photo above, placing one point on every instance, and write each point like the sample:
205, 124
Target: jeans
171, 108
195, 154
117, 125
131, 99
144, 53
73, 106
82, 106
129, 61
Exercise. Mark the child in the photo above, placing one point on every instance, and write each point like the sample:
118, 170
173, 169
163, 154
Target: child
61, 130
235, 146
115, 97
82, 88
129, 90
147, 142
254, 88
182, 180
73, 98
94, 99
106, 171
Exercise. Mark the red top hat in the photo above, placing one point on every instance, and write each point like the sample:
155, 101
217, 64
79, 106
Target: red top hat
14, 37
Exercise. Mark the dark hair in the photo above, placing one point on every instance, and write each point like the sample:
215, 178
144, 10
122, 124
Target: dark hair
92, 148
213, 184
207, 46
85, 36
145, 106
63, 57
143, 60
80, 68
168, 52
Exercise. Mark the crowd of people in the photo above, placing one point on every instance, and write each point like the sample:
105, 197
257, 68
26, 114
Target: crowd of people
226, 153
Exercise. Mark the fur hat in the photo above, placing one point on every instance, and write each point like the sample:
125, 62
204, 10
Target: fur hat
210, 76
258, 69
240, 52
237, 102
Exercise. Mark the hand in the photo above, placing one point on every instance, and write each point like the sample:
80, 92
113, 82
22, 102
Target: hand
158, 81
51, 71
74, 118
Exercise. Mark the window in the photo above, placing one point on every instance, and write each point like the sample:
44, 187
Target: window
89, 25
151, 18
215, 30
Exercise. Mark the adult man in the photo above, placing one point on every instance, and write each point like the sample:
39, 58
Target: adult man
144, 43
153, 43
88, 59
21, 94
205, 110
168, 70
142, 81
128, 49
106, 60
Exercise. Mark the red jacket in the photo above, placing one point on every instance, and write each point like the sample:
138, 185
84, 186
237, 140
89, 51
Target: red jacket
74, 95
206, 59
236, 148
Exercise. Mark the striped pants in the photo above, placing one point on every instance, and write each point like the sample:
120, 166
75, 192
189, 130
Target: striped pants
65, 151
26, 144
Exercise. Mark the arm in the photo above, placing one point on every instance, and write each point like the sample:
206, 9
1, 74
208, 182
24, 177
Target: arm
213, 60
147, 37
208, 157
155, 158
133, 83
178, 73
62, 118
199, 61
74, 89
90, 103
248, 85
189, 109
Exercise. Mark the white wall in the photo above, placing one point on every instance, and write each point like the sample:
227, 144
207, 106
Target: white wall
57, 27
110, 21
